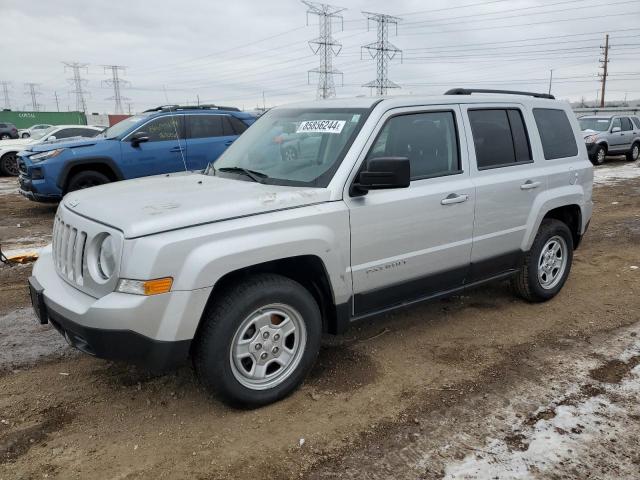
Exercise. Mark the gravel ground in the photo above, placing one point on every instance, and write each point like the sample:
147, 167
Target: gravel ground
481, 385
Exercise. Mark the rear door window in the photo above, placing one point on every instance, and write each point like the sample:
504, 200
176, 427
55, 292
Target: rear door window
626, 124
556, 134
204, 126
500, 137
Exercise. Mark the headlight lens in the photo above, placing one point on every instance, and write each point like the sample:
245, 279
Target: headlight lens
107, 258
591, 139
39, 157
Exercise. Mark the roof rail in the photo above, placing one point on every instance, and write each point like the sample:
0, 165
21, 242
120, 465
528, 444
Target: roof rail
167, 108
469, 91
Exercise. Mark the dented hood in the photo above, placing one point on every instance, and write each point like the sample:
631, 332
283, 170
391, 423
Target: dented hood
158, 204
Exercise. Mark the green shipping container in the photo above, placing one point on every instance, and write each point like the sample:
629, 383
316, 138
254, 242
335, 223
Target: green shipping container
26, 119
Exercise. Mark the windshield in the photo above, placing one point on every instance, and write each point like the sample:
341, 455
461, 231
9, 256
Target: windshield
37, 134
293, 146
597, 124
124, 126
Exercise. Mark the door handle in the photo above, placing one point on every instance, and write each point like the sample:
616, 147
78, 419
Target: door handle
454, 198
229, 142
529, 185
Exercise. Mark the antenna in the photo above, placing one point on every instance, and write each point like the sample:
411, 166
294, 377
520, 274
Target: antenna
325, 46
78, 84
116, 82
382, 50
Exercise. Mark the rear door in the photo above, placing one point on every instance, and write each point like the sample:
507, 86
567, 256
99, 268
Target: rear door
411, 243
165, 152
507, 183
208, 135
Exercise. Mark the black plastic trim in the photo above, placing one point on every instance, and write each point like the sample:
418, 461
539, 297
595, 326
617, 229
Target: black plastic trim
63, 176
469, 91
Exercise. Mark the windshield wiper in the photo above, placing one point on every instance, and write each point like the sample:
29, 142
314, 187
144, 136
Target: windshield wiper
252, 174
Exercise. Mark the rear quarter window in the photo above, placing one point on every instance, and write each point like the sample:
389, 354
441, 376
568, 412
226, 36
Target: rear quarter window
636, 121
556, 134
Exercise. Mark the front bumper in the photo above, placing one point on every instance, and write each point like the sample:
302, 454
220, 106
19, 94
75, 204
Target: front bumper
154, 331
29, 190
591, 149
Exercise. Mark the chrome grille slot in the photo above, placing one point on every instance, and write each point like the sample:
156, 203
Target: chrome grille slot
68, 251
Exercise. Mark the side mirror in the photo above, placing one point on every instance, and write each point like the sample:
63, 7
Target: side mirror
51, 138
384, 172
138, 138
616, 129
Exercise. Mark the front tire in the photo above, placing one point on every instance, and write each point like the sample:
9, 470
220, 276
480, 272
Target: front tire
599, 156
25, 135
9, 164
547, 264
634, 153
258, 341
86, 179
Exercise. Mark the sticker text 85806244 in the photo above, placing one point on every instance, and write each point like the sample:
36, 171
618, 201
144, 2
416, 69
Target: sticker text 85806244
321, 126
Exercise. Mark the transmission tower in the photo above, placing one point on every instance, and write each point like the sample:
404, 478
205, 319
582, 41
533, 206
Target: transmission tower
325, 46
116, 82
78, 84
382, 50
33, 92
5, 93
605, 68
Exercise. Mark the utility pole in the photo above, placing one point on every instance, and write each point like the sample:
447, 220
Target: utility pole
116, 82
5, 93
78, 84
55, 94
33, 93
605, 68
129, 107
550, 80
325, 46
382, 50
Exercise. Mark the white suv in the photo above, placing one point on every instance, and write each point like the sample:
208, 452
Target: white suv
388, 202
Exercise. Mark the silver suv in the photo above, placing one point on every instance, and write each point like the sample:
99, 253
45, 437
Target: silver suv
388, 202
611, 135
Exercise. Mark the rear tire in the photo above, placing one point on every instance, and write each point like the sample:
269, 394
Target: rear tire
9, 164
86, 179
5, 136
634, 153
547, 264
258, 340
599, 156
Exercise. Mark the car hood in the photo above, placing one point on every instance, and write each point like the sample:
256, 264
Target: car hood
157, 204
75, 142
15, 143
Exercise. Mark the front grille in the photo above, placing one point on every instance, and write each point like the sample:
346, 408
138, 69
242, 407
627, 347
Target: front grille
69, 251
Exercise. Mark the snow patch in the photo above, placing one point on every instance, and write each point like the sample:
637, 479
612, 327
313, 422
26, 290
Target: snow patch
8, 186
610, 175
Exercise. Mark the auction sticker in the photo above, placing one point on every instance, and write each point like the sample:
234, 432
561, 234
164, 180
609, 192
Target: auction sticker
321, 126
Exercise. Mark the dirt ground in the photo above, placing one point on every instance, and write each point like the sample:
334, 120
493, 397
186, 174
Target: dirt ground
481, 385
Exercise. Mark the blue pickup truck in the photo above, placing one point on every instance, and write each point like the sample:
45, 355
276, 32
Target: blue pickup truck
162, 140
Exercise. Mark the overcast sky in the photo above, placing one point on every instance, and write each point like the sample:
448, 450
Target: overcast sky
230, 52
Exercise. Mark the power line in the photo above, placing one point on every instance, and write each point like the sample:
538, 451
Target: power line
5, 93
33, 92
384, 51
325, 46
605, 67
78, 84
116, 82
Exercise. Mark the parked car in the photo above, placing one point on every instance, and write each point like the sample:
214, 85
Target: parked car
611, 135
28, 132
9, 149
245, 265
8, 131
162, 140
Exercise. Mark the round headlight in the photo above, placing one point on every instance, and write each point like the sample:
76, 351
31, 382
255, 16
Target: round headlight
107, 258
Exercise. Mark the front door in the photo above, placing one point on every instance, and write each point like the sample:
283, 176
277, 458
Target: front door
410, 243
164, 152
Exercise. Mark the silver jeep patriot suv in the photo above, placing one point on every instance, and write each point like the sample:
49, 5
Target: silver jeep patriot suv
382, 203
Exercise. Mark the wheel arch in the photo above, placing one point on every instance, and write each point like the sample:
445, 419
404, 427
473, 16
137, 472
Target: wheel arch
308, 270
103, 165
